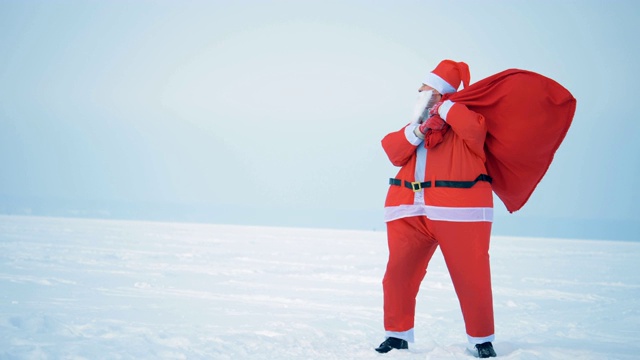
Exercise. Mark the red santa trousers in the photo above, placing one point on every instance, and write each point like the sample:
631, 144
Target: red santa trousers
465, 247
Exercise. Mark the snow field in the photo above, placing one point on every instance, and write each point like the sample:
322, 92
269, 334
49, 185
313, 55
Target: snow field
98, 289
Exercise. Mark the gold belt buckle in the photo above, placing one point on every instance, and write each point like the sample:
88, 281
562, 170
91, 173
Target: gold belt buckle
416, 186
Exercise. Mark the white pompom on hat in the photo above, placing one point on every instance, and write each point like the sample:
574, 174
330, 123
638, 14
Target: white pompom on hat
447, 76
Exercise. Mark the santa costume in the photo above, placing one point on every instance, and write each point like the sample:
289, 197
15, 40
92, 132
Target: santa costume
443, 193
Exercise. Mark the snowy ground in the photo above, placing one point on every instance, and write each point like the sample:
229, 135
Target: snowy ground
92, 289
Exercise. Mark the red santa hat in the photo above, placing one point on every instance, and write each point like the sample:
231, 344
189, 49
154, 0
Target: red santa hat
446, 77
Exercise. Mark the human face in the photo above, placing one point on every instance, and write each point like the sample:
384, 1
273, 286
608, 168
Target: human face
426, 87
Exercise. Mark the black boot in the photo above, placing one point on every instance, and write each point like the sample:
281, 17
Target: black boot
392, 343
485, 350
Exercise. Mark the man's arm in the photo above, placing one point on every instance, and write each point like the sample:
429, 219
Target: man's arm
401, 145
468, 125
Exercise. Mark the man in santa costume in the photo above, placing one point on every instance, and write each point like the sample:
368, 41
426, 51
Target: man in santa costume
454, 148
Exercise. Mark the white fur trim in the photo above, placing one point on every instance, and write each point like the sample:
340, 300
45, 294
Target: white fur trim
481, 340
441, 213
439, 84
443, 110
421, 163
404, 335
411, 135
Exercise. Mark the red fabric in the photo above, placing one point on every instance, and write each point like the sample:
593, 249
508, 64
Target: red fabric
434, 122
527, 117
435, 109
453, 72
465, 247
434, 137
434, 128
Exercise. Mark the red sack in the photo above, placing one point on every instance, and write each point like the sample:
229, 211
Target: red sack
527, 117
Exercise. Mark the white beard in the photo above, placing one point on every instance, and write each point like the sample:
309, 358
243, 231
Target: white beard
425, 101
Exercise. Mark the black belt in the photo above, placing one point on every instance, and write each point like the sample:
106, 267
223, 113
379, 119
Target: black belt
417, 186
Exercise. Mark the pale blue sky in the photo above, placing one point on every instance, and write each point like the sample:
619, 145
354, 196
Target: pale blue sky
275, 109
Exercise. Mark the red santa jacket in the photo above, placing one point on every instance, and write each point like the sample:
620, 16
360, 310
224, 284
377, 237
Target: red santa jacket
447, 172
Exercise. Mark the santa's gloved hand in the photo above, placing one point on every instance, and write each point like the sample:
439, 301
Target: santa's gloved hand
434, 123
433, 111
418, 133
